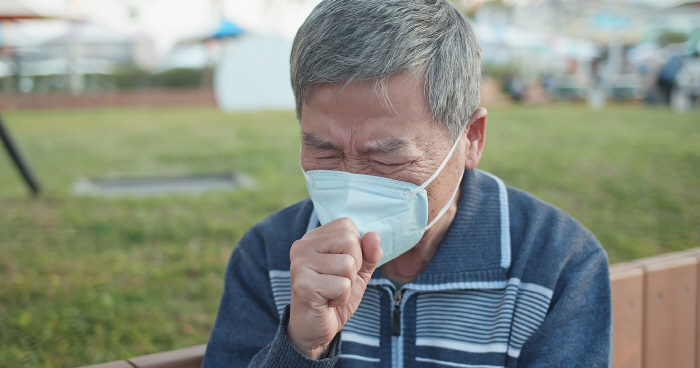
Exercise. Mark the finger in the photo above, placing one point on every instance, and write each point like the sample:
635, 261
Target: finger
333, 264
329, 244
334, 290
341, 224
316, 289
338, 242
336, 237
371, 255
347, 231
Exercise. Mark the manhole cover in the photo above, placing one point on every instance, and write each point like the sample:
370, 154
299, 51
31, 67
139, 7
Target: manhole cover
160, 185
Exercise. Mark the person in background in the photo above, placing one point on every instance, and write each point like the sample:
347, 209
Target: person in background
666, 81
406, 254
686, 94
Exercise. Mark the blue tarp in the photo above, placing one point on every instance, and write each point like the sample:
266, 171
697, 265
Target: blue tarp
227, 29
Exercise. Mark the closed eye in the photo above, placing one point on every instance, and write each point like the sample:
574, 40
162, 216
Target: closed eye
327, 154
388, 163
328, 158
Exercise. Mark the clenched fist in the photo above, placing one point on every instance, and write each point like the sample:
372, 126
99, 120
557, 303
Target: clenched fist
330, 268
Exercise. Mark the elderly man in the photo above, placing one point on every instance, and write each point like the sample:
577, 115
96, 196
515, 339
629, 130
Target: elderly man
405, 254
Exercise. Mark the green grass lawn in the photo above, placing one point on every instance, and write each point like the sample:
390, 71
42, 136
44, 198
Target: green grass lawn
86, 280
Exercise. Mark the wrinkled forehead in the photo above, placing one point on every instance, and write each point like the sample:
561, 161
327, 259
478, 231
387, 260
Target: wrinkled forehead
401, 94
360, 111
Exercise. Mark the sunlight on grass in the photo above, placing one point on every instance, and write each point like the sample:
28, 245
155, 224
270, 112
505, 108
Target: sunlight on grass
631, 175
88, 279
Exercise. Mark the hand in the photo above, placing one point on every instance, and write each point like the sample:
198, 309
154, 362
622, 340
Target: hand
330, 268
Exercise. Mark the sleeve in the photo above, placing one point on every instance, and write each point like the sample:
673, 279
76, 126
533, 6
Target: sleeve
248, 331
577, 331
281, 352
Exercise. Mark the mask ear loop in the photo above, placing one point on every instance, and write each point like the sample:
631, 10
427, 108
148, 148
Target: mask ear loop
308, 179
439, 169
447, 205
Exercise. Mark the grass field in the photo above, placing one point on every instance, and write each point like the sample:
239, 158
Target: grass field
86, 280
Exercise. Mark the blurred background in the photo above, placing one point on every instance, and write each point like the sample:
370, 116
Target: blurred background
142, 138
535, 51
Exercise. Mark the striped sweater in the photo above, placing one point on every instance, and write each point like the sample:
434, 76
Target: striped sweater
515, 283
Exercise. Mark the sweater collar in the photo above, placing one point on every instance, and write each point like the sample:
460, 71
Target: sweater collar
475, 253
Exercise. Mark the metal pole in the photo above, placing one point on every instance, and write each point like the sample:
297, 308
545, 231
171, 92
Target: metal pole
17, 159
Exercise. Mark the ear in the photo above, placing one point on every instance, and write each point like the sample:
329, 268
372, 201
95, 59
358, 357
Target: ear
475, 135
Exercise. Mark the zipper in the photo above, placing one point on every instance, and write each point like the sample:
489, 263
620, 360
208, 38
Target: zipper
396, 321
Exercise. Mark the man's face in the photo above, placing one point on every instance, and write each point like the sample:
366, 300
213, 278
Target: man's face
352, 129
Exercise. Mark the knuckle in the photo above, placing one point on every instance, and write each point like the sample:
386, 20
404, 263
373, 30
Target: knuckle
297, 248
348, 265
350, 244
349, 239
346, 223
293, 253
295, 267
302, 286
345, 286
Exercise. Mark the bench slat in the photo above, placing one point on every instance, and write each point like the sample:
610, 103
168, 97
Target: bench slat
627, 282
696, 253
670, 311
190, 357
115, 364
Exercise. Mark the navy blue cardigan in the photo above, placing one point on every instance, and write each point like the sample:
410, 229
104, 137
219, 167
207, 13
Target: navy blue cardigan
515, 283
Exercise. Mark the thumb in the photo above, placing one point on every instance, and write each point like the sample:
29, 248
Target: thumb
371, 254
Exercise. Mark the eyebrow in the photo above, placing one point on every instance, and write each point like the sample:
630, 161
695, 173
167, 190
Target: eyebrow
382, 146
315, 141
385, 146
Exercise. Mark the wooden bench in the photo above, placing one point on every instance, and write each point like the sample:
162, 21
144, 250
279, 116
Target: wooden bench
190, 357
656, 321
656, 317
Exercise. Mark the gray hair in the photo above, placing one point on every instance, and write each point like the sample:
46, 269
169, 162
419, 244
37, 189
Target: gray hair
348, 40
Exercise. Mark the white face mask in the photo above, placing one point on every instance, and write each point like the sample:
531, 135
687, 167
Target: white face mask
395, 209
